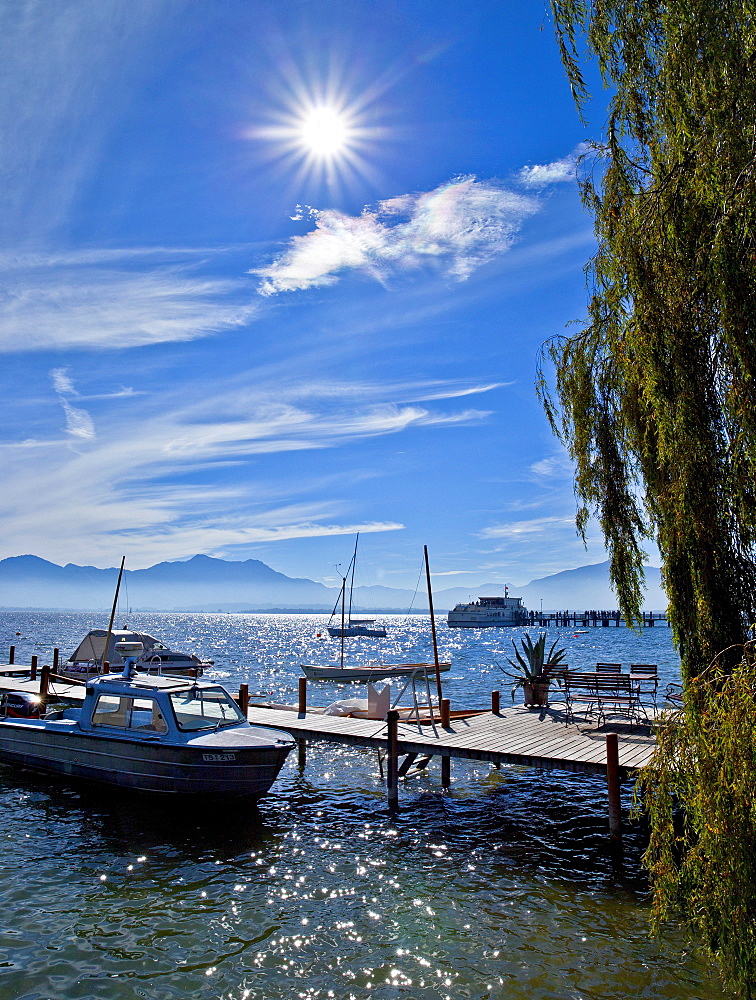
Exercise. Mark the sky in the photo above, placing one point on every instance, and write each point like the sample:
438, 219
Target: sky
275, 272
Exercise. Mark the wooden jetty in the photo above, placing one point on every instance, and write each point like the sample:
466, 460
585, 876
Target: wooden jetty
537, 738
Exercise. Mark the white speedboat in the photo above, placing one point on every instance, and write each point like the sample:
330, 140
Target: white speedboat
156, 658
489, 612
147, 733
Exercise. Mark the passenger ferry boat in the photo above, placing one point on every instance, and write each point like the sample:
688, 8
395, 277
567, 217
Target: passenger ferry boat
489, 612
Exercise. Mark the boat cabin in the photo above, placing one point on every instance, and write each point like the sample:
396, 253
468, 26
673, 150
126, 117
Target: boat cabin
159, 706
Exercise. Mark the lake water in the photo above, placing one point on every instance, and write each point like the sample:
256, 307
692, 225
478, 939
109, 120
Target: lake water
505, 887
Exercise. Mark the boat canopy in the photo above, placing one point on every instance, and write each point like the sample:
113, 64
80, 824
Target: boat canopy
92, 646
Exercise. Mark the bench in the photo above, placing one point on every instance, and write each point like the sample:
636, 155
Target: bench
600, 693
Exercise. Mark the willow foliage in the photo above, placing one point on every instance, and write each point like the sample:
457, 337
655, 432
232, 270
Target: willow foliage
702, 859
655, 397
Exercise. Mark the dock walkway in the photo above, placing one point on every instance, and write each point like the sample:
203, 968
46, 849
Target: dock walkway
534, 738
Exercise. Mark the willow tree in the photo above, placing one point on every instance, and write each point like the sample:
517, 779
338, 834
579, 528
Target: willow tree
656, 400
655, 395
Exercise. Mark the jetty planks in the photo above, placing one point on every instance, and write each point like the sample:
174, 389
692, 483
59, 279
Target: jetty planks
531, 737
535, 738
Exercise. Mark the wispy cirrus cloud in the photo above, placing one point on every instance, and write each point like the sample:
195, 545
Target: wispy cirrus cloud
146, 470
455, 228
65, 303
79, 423
534, 526
556, 172
66, 72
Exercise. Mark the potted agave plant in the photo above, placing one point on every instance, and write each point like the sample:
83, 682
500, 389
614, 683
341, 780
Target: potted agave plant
534, 668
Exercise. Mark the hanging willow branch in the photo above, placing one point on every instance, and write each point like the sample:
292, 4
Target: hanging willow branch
655, 398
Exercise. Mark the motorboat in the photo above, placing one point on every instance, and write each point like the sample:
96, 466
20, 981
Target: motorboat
489, 612
369, 671
148, 733
156, 658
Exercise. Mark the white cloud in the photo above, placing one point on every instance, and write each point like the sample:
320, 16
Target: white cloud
519, 529
79, 423
553, 173
456, 227
65, 305
130, 481
554, 467
62, 383
66, 73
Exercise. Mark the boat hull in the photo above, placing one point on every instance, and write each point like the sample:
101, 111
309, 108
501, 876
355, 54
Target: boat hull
333, 672
350, 631
206, 765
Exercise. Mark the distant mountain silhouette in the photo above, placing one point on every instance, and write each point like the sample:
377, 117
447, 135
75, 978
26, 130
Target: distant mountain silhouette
207, 584
586, 589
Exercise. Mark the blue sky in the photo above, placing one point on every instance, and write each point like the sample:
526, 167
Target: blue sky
220, 337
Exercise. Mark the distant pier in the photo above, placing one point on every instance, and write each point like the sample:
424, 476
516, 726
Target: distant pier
591, 619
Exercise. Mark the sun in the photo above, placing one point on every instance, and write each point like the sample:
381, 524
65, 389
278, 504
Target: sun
325, 132
322, 134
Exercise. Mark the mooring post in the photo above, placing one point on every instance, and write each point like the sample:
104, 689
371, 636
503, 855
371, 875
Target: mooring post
495, 702
445, 771
613, 786
244, 698
392, 761
302, 706
44, 681
445, 708
33, 672
56, 659
106, 667
12, 655
301, 753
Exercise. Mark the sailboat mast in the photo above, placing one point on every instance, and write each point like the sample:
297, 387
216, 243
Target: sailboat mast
351, 582
112, 615
343, 592
433, 625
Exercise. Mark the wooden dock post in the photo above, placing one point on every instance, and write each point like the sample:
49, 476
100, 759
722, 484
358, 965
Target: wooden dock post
244, 698
392, 761
613, 786
44, 682
301, 754
445, 771
302, 705
56, 660
12, 655
33, 672
495, 702
445, 708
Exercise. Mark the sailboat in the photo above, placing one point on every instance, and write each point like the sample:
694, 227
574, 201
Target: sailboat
349, 626
371, 671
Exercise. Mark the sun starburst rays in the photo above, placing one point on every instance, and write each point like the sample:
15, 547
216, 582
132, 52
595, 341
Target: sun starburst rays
321, 137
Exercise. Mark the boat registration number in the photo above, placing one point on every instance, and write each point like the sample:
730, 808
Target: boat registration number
219, 756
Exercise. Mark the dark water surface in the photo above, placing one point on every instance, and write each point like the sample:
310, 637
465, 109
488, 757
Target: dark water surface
504, 888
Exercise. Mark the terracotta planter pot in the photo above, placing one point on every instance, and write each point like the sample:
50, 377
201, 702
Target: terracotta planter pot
536, 694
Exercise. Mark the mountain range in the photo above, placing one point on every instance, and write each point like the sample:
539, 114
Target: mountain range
206, 584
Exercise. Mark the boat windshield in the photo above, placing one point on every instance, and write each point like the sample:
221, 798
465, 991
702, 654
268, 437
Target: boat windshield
205, 708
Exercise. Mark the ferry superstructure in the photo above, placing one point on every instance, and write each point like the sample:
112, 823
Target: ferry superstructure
489, 612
